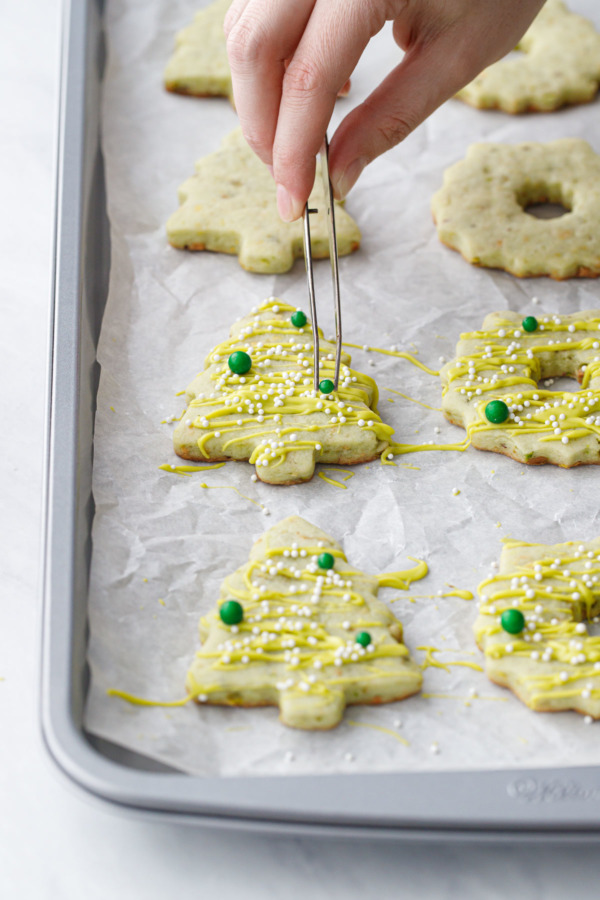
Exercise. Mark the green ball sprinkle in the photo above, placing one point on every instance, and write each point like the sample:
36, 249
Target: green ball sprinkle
363, 638
326, 561
496, 412
530, 323
513, 621
326, 386
298, 319
240, 362
231, 612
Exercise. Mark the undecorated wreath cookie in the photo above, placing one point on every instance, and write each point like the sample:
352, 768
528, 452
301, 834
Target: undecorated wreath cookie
255, 400
230, 206
491, 387
531, 625
199, 65
480, 210
297, 627
560, 65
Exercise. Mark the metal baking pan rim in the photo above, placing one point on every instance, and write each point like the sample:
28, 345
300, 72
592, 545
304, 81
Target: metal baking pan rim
537, 804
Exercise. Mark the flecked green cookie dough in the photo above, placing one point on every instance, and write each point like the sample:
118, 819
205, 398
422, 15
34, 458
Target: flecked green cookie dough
199, 65
480, 210
560, 65
552, 663
230, 206
270, 414
305, 632
509, 366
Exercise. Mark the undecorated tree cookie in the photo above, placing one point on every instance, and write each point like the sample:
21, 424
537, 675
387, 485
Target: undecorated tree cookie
230, 206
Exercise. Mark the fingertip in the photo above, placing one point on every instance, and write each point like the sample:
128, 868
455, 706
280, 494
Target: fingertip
290, 207
343, 181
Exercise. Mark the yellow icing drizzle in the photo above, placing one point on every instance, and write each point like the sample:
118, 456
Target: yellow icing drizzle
230, 487
333, 593
555, 594
402, 580
504, 358
141, 701
399, 449
442, 696
397, 353
379, 728
189, 470
332, 481
279, 385
412, 400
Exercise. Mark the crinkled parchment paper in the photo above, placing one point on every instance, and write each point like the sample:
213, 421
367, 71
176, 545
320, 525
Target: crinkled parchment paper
163, 543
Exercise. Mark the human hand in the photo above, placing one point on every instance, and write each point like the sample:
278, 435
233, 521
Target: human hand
290, 58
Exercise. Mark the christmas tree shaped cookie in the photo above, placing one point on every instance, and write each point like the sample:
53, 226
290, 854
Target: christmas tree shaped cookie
255, 401
199, 65
531, 625
230, 206
297, 627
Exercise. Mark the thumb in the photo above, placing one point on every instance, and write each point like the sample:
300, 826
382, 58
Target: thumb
426, 77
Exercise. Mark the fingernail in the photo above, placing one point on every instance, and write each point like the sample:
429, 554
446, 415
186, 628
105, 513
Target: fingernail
289, 208
344, 182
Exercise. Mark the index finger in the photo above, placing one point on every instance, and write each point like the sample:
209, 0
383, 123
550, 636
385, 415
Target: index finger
333, 41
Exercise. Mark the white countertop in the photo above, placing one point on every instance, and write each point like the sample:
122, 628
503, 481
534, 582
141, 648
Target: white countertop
53, 842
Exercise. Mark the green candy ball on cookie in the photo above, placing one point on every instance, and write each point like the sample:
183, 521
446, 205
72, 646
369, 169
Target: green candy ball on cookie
496, 412
231, 612
512, 621
240, 362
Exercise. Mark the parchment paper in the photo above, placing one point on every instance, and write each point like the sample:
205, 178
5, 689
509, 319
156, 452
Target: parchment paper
162, 543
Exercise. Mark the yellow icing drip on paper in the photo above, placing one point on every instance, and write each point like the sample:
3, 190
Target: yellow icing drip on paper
442, 696
379, 728
189, 470
332, 481
430, 659
141, 701
556, 594
402, 580
399, 449
412, 400
265, 394
399, 354
230, 487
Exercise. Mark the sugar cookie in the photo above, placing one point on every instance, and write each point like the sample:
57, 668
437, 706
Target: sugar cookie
491, 387
480, 210
297, 627
230, 206
531, 625
560, 65
266, 411
199, 65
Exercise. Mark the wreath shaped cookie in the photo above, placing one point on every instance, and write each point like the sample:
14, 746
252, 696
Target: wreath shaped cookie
491, 388
560, 66
480, 210
531, 625
299, 628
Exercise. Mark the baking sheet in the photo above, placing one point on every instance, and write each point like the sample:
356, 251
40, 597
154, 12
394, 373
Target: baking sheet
163, 543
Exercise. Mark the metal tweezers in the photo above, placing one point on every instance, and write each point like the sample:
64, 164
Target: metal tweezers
333, 256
